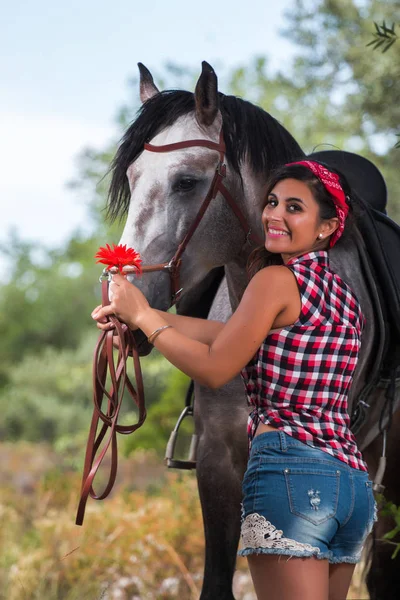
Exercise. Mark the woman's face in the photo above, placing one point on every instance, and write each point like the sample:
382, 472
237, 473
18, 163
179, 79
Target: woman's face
291, 221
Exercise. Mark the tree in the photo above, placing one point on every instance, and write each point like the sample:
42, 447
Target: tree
337, 92
363, 87
384, 37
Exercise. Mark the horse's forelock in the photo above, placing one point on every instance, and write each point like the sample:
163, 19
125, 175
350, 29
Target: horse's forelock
159, 112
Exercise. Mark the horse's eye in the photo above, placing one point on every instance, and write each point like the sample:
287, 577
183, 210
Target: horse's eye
185, 184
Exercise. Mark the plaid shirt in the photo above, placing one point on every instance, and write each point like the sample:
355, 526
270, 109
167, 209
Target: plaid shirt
300, 377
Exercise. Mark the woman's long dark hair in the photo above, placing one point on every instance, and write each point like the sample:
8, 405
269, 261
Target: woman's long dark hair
261, 257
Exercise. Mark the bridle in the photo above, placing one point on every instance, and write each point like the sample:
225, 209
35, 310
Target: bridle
104, 363
217, 185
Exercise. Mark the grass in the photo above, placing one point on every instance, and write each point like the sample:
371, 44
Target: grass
143, 542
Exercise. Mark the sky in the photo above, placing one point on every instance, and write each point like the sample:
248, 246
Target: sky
64, 72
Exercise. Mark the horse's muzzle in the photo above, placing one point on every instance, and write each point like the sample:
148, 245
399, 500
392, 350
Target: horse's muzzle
143, 346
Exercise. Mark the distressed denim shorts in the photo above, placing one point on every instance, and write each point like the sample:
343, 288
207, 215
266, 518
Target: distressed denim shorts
301, 501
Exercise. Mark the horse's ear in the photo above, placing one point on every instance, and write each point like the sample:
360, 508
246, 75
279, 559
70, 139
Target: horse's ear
206, 95
148, 89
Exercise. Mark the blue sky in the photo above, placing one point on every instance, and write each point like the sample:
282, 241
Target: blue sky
64, 70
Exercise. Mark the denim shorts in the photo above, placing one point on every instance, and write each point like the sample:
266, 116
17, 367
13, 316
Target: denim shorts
301, 501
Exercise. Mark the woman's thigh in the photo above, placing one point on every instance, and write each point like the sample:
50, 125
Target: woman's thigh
339, 580
283, 578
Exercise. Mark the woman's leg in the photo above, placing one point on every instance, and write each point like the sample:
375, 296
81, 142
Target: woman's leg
339, 580
278, 577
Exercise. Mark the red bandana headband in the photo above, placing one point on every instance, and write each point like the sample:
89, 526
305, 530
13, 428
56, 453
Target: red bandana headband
331, 183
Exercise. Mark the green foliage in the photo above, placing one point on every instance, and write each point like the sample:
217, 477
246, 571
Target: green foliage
389, 509
162, 415
335, 94
48, 394
49, 297
384, 37
48, 397
48, 336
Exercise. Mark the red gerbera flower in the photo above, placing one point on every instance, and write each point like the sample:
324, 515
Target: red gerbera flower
119, 256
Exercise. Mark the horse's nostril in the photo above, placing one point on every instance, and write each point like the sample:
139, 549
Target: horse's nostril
145, 348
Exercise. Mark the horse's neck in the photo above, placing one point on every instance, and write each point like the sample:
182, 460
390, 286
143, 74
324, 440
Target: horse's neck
249, 197
253, 192
236, 279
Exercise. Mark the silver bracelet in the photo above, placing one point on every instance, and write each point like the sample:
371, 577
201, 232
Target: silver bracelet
156, 333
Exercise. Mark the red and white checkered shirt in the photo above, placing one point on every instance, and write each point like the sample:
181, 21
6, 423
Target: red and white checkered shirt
299, 379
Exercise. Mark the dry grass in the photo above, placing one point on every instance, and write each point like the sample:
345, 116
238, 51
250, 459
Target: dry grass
145, 542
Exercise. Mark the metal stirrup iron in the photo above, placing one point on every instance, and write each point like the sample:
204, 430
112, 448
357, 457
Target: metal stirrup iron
190, 463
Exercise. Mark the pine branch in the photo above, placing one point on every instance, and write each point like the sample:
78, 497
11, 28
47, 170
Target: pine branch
384, 37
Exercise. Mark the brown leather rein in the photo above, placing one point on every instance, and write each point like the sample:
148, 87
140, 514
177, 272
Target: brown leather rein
103, 365
103, 360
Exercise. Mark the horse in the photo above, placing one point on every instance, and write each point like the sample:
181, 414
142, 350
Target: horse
184, 147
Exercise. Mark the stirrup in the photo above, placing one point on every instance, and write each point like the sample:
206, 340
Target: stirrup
173, 463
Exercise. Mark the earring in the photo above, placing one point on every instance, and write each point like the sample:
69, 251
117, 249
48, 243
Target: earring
320, 236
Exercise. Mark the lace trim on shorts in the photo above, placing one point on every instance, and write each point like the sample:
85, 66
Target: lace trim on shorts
257, 532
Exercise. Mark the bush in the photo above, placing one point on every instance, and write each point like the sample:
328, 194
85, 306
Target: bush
49, 398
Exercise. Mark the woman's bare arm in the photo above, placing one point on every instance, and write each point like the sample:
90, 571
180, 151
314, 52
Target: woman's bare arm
202, 330
271, 294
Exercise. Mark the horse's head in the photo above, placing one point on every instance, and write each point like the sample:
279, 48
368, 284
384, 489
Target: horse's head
166, 189
162, 185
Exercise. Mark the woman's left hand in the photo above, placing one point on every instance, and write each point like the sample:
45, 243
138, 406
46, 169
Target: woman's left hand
127, 303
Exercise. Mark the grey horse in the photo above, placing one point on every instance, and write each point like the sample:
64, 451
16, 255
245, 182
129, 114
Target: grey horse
161, 192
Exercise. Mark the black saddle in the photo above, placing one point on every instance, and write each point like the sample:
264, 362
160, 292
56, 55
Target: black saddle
381, 244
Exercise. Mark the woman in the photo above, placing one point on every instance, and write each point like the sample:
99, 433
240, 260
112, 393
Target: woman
295, 336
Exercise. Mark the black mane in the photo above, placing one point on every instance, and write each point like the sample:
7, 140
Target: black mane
248, 130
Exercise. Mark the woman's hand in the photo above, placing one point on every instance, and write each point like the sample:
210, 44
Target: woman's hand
127, 303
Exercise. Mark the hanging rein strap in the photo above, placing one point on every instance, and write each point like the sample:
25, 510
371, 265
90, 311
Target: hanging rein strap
103, 365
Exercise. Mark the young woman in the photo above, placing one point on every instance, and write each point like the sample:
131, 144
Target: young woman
308, 504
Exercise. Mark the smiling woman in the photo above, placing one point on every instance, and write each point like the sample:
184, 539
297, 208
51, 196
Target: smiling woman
295, 338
